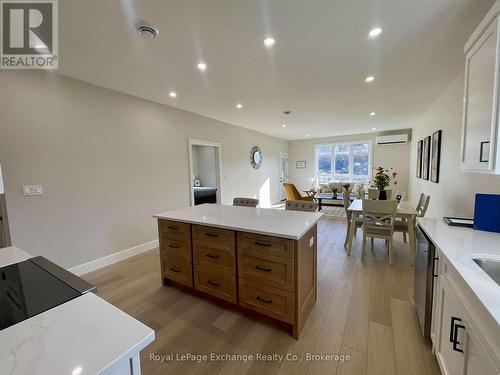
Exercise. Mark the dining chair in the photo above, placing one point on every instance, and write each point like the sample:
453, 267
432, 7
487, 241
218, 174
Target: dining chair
245, 202
373, 193
301, 205
401, 226
378, 222
291, 193
348, 214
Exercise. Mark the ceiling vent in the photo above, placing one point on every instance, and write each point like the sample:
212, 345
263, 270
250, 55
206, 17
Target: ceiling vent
146, 31
392, 139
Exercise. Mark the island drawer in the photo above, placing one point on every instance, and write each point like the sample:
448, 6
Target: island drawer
174, 228
216, 236
177, 270
266, 244
176, 247
221, 257
215, 283
267, 300
266, 269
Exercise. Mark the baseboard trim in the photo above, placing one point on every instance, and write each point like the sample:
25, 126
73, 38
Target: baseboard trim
113, 258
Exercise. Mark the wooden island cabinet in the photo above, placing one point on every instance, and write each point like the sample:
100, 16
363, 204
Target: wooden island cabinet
259, 261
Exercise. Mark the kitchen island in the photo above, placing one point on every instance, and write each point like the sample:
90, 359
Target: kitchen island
85, 335
259, 261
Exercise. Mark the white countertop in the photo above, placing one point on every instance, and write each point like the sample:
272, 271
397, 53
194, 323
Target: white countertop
85, 332
460, 245
11, 255
271, 222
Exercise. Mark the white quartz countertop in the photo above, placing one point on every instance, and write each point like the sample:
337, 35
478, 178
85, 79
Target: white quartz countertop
86, 332
460, 245
11, 255
268, 221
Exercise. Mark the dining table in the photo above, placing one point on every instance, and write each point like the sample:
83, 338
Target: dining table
404, 210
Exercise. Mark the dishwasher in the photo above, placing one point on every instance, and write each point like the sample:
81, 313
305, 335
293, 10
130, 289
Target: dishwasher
425, 275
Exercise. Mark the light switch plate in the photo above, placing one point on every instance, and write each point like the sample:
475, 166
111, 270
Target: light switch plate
32, 190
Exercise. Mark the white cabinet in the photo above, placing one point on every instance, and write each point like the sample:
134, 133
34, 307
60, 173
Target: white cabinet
459, 349
480, 132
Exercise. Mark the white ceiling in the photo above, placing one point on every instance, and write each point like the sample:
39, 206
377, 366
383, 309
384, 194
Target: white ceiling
316, 68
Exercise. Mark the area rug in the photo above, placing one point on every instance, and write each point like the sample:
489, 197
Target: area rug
333, 211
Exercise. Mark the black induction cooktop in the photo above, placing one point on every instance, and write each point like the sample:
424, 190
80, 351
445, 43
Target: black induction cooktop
36, 285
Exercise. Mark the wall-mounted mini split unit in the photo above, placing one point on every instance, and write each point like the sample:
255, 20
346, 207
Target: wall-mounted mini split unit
396, 139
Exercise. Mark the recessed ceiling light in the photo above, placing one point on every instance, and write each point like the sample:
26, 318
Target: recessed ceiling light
373, 113
202, 66
269, 42
172, 94
375, 32
239, 106
374, 128
146, 30
369, 79
307, 135
283, 126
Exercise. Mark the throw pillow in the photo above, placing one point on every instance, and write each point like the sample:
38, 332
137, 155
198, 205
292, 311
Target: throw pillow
325, 188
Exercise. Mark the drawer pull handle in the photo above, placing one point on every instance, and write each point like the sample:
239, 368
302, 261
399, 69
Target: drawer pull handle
454, 333
174, 246
263, 269
212, 256
265, 300
172, 227
262, 244
173, 269
212, 235
214, 283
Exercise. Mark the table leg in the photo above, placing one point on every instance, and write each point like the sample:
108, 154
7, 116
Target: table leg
411, 234
352, 229
319, 204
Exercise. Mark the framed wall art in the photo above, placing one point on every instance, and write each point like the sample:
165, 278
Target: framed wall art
426, 154
419, 159
436, 156
300, 164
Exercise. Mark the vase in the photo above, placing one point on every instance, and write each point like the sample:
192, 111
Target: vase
382, 195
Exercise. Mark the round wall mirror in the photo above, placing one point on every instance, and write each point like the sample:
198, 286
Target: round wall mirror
256, 157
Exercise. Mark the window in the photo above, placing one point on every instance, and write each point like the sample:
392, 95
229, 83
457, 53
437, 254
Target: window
344, 162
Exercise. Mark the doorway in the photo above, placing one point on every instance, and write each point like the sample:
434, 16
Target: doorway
283, 174
204, 172
4, 221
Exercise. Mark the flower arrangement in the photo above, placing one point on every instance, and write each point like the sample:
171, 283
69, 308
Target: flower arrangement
383, 177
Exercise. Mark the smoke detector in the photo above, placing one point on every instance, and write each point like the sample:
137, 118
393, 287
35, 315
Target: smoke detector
146, 30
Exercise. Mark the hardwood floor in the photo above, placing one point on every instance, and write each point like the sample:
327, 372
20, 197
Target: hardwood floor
365, 311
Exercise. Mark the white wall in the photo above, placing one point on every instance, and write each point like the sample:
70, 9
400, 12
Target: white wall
107, 162
204, 165
387, 156
1, 181
454, 194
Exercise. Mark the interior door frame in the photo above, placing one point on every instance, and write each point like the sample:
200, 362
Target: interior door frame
287, 174
218, 165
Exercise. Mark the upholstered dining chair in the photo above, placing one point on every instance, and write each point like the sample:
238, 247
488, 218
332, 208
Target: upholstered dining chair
378, 222
301, 205
293, 194
245, 202
348, 214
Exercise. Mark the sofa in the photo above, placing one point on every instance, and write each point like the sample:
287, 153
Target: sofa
358, 193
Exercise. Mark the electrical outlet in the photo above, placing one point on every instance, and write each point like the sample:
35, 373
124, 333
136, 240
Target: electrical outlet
32, 190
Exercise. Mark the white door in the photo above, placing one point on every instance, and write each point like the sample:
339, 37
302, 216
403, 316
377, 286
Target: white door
283, 174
